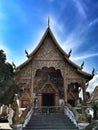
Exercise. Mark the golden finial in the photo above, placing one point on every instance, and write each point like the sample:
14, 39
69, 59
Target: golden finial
93, 71
48, 22
82, 65
26, 53
69, 54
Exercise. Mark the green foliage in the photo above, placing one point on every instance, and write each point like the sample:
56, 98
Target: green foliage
95, 104
8, 86
2, 56
6, 69
6, 72
9, 92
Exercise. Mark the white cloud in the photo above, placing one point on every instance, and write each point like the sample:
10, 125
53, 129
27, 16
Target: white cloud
85, 56
80, 7
93, 83
93, 22
71, 42
55, 24
74, 39
35, 42
56, 27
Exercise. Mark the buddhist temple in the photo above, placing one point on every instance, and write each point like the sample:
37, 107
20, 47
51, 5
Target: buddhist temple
48, 77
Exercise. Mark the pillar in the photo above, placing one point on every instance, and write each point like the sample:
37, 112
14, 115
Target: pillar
39, 99
65, 87
84, 93
56, 99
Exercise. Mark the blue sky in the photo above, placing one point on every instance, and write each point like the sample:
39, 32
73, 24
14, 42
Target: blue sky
74, 24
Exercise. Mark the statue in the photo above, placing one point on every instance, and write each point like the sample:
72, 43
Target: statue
3, 110
10, 114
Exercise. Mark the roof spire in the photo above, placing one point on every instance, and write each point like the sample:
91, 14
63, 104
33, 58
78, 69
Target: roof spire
82, 65
93, 71
48, 22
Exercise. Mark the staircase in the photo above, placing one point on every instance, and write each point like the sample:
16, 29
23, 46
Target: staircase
52, 121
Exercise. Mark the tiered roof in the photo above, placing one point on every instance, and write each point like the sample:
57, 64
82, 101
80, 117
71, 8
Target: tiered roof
64, 54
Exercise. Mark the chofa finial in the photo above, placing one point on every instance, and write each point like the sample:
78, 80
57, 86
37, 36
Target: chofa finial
14, 66
26, 53
48, 22
93, 71
82, 65
69, 54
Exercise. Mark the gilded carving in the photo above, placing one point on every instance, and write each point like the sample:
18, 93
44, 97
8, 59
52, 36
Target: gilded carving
55, 64
49, 55
48, 50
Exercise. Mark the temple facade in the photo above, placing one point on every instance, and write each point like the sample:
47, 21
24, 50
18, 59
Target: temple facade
49, 77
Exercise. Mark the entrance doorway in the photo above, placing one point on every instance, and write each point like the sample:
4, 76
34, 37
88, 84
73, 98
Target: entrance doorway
48, 99
71, 102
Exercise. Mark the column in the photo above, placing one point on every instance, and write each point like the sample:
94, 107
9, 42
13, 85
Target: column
84, 93
65, 84
32, 80
39, 99
65, 90
56, 99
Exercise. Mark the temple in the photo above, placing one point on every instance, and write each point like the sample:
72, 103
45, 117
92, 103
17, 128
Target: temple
49, 77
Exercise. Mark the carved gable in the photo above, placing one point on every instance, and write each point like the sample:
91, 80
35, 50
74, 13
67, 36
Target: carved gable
49, 59
48, 87
48, 50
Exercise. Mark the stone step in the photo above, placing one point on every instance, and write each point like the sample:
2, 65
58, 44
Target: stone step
52, 127
48, 129
50, 122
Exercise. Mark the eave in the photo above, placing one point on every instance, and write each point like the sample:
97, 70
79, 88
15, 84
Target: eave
63, 53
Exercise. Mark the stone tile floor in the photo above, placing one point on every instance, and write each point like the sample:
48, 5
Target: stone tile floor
5, 126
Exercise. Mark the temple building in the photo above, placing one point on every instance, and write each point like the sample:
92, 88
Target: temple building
49, 77
94, 96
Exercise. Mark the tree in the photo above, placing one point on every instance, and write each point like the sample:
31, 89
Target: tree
2, 56
9, 93
6, 69
8, 86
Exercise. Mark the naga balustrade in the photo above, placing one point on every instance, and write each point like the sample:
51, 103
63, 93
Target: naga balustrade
48, 109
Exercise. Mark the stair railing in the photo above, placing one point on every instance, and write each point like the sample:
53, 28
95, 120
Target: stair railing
47, 109
71, 115
28, 117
